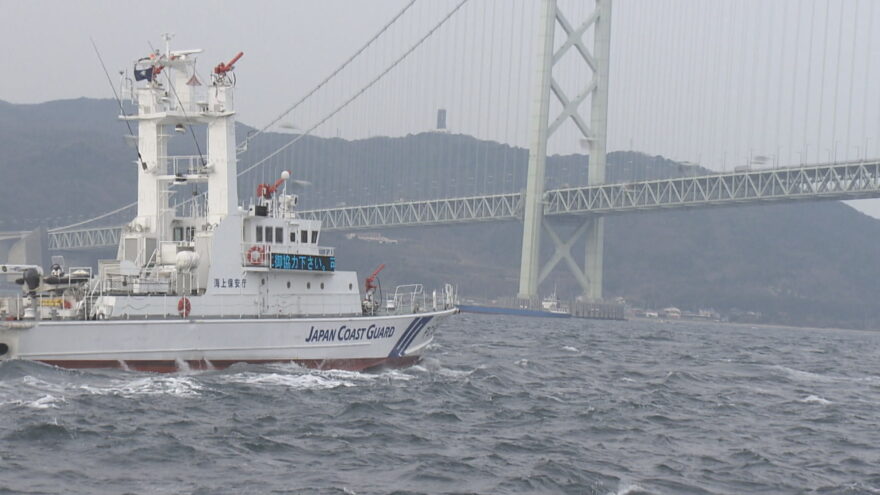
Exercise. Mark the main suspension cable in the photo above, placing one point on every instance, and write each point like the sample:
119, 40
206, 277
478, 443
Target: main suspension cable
329, 77
359, 92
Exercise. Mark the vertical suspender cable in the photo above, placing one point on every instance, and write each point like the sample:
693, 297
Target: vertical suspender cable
361, 91
521, 78
726, 85
794, 79
504, 139
752, 105
866, 103
822, 83
339, 69
698, 107
482, 97
852, 79
779, 88
764, 96
807, 95
834, 102
738, 92
490, 163
434, 73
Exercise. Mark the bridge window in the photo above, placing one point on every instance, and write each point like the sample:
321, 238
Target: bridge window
180, 234
259, 233
314, 237
268, 234
279, 235
303, 236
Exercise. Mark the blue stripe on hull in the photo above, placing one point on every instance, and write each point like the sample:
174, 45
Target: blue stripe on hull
394, 350
409, 335
414, 334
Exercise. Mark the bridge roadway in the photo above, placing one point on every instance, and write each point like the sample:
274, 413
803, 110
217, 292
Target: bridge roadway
830, 181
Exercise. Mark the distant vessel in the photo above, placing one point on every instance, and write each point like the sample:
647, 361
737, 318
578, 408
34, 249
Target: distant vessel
551, 304
220, 283
550, 308
502, 310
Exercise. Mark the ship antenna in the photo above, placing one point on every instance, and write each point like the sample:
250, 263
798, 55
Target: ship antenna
118, 101
179, 103
186, 117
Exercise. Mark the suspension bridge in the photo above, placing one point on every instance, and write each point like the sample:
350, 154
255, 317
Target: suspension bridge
551, 66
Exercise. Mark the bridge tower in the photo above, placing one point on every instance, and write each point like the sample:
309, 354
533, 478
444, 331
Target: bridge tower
531, 273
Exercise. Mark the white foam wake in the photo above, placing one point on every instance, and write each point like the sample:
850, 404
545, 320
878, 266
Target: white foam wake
627, 490
296, 382
44, 402
815, 399
182, 386
803, 375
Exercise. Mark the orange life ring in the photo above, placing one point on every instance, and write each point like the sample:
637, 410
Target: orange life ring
256, 255
184, 307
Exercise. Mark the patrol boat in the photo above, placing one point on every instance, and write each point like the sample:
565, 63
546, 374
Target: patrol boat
218, 284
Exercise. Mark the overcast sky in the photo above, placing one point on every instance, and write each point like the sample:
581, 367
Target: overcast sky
723, 84
288, 45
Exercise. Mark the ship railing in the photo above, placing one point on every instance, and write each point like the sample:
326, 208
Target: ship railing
150, 264
25, 311
12, 308
186, 164
408, 298
191, 207
116, 283
108, 270
150, 280
444, 299
51, 306
95, 288
68, 304
195, 102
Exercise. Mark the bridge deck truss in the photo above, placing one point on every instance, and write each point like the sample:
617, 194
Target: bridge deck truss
84, 238
852, 180
430, 212
836, 181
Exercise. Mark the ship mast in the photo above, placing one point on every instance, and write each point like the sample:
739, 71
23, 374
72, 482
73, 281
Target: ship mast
223, 179
172, 97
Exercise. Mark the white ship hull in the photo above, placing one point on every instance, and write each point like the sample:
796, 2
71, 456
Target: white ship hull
352, 343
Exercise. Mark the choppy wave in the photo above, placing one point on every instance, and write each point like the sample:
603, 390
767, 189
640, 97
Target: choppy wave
181, 386
816, 399
500, 405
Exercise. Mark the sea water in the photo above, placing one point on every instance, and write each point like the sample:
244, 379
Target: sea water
499, 405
